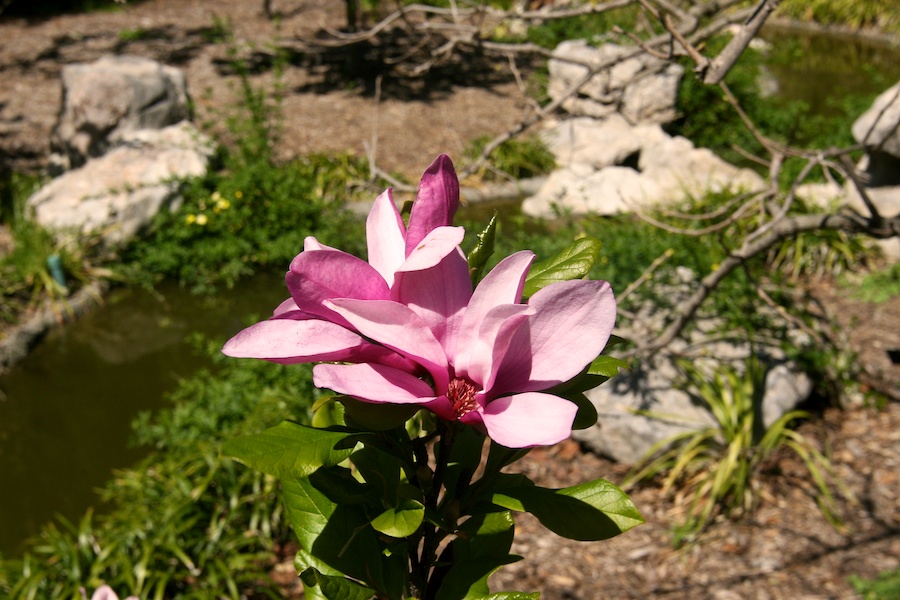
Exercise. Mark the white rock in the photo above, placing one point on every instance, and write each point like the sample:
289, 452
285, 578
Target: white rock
599, 143
106, 99
118, 194
878, 126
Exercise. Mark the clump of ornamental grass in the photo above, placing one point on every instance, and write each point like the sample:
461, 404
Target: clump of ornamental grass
717, 469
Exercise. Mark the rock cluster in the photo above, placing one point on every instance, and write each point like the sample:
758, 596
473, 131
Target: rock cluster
609, 166
640, 87
122, 142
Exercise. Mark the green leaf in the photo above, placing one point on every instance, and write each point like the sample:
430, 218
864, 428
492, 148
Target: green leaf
480, 549
288, 450
339, 535
596, 510
482, 251
607, 366
339, 486
379, 469
401, 521
376, 417
465, 456
573, 262
335, 587
587, 413
327, 412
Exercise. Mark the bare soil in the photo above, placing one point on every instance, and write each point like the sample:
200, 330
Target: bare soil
331, 103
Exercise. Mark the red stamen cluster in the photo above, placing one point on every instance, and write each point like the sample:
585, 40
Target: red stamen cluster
461, 394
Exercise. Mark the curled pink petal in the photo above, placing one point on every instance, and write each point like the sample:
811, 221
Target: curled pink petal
373, 383
386, 237
285, 307
318, 276
305, 340
433, 248
438, 295
437, 201
502, 285
571, 325
399, 328
529, 419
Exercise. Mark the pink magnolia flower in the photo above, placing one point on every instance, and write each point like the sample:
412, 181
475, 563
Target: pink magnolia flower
304, 329
488, 358
415, 332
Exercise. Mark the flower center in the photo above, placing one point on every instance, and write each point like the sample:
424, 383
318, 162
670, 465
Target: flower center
461, 394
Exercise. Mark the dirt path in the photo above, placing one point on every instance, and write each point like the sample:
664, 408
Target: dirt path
329, 100
785, 550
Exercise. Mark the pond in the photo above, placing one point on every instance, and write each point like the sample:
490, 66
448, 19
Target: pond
65, 411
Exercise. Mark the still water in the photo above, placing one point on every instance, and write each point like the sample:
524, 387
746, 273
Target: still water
65, 411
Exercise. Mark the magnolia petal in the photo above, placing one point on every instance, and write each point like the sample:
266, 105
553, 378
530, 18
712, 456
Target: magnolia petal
322, 275
439, 295
479, 357
503, 285
293, 340
571, 325
287, 306
373, 383
398, 328
529, 419
438, 244
311, 244
385, 237
436, 201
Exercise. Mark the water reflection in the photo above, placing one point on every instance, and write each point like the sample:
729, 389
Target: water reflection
66, 410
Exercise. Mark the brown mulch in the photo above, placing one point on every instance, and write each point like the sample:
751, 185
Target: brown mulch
784, 550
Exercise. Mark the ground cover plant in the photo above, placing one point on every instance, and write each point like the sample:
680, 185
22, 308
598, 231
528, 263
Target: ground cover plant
717, 469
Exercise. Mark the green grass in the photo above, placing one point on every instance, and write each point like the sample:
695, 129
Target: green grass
878, 286
852, 13
885, 587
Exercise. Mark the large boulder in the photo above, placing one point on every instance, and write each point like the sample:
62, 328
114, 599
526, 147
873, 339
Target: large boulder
878, 129
118, 194
106, 100
642, 88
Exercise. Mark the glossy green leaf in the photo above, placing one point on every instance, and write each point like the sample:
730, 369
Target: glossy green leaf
288, 450
607, 366
480, 549
596, 510
376, 417
335, 587
401, 521
483, 250
587, 413
573, 262
339, 535
339, 486
465, 456
327, 412
379, 469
